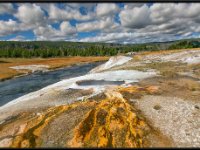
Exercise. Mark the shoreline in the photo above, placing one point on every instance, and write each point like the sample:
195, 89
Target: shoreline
51, 67
81, 69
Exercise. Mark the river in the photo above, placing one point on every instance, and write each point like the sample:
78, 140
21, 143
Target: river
16, 87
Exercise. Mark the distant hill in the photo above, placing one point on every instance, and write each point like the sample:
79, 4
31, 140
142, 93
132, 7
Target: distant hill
45, 49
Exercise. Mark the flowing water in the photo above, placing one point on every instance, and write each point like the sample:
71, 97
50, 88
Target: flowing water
16, 87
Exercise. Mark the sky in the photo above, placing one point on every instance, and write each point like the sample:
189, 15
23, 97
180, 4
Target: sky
99, 22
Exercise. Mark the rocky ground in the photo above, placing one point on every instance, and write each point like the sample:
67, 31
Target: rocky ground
149, 100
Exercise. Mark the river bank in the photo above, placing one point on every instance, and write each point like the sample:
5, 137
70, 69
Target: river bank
16, 87
8, 71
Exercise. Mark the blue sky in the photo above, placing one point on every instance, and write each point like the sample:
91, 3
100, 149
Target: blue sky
99, 22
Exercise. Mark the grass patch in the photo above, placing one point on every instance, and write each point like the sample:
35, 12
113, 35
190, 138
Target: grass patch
188, 84
168, 73
166, 51
137, 57
167, 69
2, 61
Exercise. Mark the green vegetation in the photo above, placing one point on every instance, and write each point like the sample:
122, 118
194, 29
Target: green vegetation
54, 49
185, 44
58, 49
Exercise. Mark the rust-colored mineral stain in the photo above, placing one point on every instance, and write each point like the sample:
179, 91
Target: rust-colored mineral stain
29, 134
110, 121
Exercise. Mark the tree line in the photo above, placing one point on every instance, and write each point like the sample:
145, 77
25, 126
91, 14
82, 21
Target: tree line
46, 49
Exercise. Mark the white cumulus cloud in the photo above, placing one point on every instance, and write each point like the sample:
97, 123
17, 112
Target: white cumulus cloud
31, 15
9, 27
137, 17
105, 9
6, 8
66, 31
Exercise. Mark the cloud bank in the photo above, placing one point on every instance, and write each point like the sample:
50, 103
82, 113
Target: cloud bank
102, 22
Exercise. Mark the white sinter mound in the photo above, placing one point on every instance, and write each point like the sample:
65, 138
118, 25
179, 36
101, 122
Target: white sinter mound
113, 61
127, 76
189, 57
